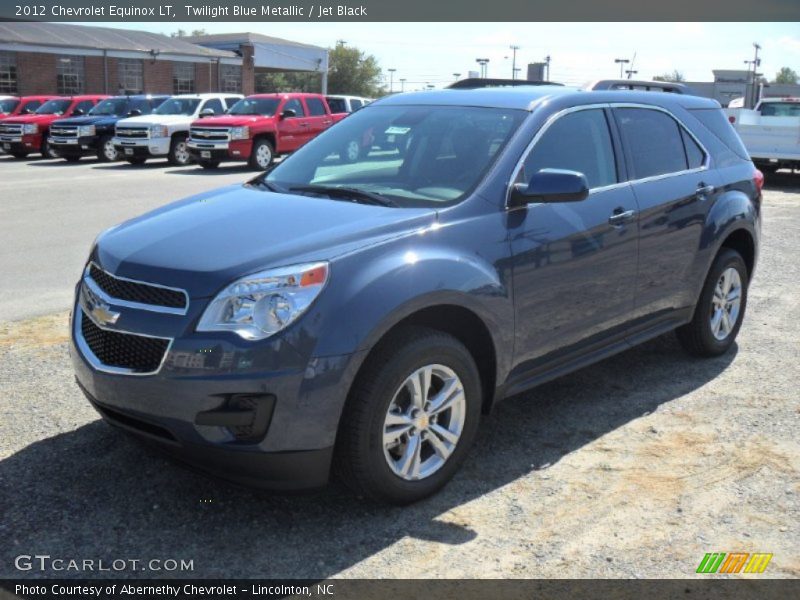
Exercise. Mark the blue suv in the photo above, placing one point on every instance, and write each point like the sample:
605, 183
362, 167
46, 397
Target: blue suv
360, 315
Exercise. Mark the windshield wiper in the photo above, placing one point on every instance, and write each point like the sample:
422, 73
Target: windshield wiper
263, 183
346, 193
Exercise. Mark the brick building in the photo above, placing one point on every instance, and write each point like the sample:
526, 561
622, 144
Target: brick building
51, 58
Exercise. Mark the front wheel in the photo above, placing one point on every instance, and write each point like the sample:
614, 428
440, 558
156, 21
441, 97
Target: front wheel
720, 310
136, 160
209, 164
178, 152
261, 155
410, 418
106, 152
19, 154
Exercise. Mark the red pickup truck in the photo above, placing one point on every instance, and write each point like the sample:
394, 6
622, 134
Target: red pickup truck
260, 127
26, 133
11, 106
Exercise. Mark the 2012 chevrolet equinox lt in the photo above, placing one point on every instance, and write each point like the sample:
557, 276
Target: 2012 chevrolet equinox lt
362, 314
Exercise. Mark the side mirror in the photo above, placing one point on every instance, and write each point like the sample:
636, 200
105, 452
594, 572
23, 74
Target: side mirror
207, 112
288, 114
550, 185
135, 113
77, 112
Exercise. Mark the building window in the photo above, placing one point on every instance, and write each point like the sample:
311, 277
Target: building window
183, 78
8, 73
230, 78
131, 75
70, 75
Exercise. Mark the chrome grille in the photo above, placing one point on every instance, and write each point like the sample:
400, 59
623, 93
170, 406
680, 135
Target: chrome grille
210, 134
11, 129
136, 133
66, 131
138, 292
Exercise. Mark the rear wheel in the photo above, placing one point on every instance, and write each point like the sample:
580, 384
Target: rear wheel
106, 152
411, 417
46, 151
262, 155
720, 310
178, 152
209, 164
19, 154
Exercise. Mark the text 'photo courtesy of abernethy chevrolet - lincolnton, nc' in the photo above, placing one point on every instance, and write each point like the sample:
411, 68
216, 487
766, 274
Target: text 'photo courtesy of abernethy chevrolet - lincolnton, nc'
352, 311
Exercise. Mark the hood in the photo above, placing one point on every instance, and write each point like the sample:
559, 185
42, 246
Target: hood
205, 242
157, 120
232, 120
32, 119
90, 120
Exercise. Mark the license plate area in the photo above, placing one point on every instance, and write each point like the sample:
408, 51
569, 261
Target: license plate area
128, 151
205, 154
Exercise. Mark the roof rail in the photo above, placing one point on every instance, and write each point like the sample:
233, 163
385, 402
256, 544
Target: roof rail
473, 83
633, 84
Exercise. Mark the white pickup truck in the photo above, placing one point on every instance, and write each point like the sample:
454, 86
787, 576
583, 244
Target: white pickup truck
770, 132
163, 133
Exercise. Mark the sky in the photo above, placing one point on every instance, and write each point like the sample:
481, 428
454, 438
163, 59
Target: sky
431, 53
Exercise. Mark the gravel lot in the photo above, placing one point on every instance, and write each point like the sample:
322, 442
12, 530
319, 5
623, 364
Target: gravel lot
635, 467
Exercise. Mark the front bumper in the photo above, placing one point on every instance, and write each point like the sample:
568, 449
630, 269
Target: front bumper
142, 147
21, 143
234, 150
74, 146
206, 374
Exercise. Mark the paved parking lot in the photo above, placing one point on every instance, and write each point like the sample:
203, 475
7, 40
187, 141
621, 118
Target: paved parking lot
635, 467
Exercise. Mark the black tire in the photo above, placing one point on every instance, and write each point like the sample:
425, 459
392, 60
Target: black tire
697, 337
266, 148
19, 155
178, 153
45, 149
71, 158
209, 164
359, 458
102, 154
136, 160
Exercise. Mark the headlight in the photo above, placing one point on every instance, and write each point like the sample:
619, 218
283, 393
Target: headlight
86, 130
240, 133
158, 131
262, 304
30, 128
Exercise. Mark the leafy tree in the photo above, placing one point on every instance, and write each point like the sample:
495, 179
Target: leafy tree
786, 75
351, 71
675, 77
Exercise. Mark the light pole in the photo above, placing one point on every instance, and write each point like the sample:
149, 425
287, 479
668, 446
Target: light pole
621, 62
391, 80
630, 72
456, 75
483, 62
756, 62
402, 84
547, 66
514, 49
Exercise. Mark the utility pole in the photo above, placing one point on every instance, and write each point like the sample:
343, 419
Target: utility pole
514, 49
391, 80
756, 62
621, 62
402, 84
547, 67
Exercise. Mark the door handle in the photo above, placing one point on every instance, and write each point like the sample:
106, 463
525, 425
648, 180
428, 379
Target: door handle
327, 122
305, 124
619, 216
704, 190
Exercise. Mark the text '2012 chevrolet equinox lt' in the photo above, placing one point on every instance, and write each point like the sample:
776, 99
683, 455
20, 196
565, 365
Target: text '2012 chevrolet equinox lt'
358, 316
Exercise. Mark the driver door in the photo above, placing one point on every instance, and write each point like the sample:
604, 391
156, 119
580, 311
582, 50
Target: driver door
574, 263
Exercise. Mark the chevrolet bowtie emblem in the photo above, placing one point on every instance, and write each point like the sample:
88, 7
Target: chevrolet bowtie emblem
103, 315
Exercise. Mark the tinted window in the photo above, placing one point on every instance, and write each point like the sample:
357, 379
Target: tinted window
7, 105
31, 105
231, 101
356, 104
178, 106
578, 141
654, 141
112, 106
295, 105
337, 105
717, 123
780, 109
84, 107
214, 104
255, 106
694, 153
53, 107
315, 107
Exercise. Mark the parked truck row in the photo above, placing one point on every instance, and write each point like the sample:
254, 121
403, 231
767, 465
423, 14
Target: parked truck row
204, 128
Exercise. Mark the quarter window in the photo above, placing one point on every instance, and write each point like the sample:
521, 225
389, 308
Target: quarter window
578, 141
183, 78
8, 72
654, 140
70, 75
130, 72
315, 107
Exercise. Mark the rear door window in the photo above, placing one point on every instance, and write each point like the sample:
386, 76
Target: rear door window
694, 153
356, 104
315, 107
578, 141
654, 141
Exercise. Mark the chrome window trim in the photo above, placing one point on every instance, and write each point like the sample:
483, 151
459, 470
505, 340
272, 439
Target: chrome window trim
87, 279
611, 105
95, 362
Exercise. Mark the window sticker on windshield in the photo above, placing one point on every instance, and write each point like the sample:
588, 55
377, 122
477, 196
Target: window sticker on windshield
395, 130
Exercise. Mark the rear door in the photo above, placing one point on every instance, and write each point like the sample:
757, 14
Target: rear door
293, 130
318, 118
574, 262
674, 189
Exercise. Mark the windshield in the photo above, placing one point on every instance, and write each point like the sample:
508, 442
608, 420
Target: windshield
780, 109
112, 106
53, 107
178, 106
255, 106
412, 155
8, 105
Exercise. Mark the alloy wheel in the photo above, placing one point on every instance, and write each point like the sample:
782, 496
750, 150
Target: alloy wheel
109, 151
726, 303
263, 156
